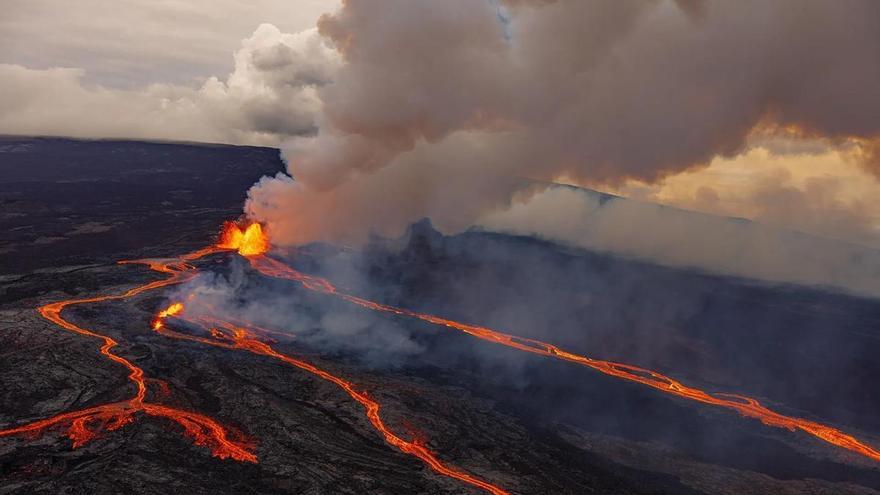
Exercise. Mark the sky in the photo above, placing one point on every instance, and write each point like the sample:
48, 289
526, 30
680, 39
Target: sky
821, 190
135, 43
765, 111
171, 69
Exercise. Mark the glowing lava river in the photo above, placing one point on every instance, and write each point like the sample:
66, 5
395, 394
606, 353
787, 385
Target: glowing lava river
83, 425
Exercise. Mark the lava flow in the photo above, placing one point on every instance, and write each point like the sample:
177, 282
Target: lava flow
252, 243
249, 242
229, 336
85, 424
745, 406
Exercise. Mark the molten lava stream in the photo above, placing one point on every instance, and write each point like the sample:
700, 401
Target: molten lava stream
745, 406
202, 429
229, 336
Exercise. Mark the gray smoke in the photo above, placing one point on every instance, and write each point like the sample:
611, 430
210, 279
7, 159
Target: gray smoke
439, 109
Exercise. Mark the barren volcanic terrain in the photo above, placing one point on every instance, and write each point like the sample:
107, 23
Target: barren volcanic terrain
469, 363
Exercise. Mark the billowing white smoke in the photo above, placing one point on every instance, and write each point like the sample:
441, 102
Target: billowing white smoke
440, 108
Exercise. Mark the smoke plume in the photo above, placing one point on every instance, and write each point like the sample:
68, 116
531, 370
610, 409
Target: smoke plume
440, 109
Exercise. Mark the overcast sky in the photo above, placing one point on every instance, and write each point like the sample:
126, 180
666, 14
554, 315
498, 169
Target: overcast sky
229, 71
131, 43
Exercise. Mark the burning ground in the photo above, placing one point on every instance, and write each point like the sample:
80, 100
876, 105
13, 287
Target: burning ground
267, 377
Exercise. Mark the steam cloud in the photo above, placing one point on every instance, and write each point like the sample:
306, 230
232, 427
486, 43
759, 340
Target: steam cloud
439, 109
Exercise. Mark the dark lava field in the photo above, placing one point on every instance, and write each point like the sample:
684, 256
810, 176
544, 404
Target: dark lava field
70, 209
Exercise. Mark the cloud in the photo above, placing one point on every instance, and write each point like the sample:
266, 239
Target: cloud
270, 94
805, 185
133, 43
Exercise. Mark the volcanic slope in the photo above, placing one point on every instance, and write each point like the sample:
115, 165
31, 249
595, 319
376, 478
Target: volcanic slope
521, 422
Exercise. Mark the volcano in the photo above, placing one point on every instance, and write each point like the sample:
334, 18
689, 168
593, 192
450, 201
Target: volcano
208, 361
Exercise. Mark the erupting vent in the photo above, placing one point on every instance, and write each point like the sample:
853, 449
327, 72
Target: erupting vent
248, 241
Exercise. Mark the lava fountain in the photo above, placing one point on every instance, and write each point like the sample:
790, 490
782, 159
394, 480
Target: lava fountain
248, 241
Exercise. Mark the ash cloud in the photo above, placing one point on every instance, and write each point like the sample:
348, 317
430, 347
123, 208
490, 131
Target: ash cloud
439, 107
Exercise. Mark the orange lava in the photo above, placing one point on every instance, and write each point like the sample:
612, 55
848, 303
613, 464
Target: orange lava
229, 336
84, 425
745, 406
172, 310
250, 241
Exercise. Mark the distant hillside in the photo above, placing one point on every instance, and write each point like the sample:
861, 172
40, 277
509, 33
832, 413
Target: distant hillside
676, 237
68, 201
